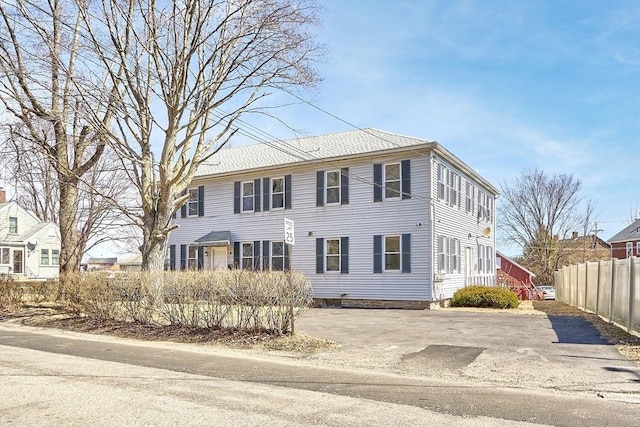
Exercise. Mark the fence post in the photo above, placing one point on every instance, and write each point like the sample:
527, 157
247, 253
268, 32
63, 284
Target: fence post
613, 279
631, 294
598, 290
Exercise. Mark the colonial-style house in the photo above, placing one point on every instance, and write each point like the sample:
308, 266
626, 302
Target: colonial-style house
380, 219
29, 248
626, 243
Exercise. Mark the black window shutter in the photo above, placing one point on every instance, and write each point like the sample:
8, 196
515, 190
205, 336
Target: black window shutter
174, 215
406, 253
265, 254
344, 186
406, 179
256, 255
201, 200
236, 197
256, 195
200, 257
236, 255
183, 257
377, 182
320, 188
287, 191
287, 262
377, 254
172, 257
319, 255
344, 255
266, 194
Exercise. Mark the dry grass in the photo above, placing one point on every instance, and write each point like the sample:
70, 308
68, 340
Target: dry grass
628, 345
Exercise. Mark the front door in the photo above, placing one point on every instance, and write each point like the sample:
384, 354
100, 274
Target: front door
17, 261
219, 258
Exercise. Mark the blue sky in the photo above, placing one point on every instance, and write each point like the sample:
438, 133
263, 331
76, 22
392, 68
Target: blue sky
505, 85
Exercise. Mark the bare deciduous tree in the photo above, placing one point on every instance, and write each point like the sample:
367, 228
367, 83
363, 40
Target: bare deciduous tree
185, 72
43, 85
37, 188
538, 212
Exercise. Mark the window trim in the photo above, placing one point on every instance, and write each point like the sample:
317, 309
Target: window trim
8, 259
243, 197
337, 187
243, 257
13, 228
327, 255
282, 193
55, 260
190, 259
193, 202
272, 256
48, 259
385, 252
385, 181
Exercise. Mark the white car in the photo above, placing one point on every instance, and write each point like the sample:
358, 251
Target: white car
549, 292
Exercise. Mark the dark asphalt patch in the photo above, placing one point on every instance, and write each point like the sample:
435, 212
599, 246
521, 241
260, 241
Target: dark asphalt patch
442, 357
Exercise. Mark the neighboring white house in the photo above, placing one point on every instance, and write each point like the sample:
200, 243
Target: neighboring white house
29, 248
380, 219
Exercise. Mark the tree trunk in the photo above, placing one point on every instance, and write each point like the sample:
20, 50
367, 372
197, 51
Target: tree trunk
154, 248
72, 242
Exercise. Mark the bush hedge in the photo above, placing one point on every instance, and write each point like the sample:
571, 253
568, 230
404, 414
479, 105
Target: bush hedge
231, 299
485, 296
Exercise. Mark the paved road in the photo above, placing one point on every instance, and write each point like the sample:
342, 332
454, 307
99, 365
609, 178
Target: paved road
423, 400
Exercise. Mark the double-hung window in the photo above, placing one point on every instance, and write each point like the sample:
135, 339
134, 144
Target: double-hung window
247, 196
4, 256
193, 202
629, 249
453, 182
277, 193
454, 255
638, 248
247, 256
471, 190
44, 256
192, 260
392, 253
442, 179
333, 186
277, 256
333, 254
442, 254
392, 180
55, 257
488, 260
13, 225
480, 258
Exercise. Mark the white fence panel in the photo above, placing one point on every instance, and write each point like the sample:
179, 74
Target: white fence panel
609, 288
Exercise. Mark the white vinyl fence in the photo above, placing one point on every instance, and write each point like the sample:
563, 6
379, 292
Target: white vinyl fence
610, 289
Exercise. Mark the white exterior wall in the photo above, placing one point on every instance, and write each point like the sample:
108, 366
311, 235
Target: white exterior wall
30, 228
456, 222
359, 220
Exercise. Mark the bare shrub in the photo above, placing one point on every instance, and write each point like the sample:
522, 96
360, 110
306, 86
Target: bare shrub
11, 291
231, 299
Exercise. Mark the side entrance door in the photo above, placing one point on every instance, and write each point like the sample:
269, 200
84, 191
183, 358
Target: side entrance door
468, 265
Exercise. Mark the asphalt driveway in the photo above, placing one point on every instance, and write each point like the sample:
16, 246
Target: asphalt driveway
512, 348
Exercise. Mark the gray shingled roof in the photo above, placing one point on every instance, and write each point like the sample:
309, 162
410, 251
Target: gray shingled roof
321, 148
303, 150
215, 238
631, 233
